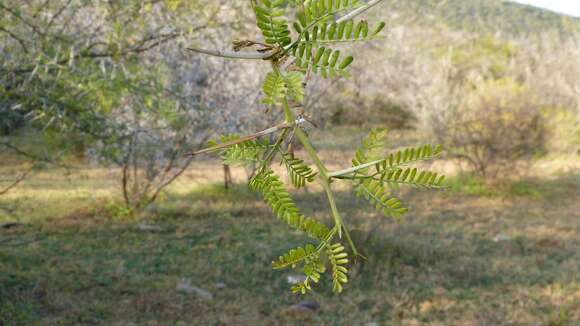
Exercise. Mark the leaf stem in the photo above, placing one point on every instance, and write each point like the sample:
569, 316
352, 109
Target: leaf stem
354, 169
233, 55
324, 178
358, 11
276, 128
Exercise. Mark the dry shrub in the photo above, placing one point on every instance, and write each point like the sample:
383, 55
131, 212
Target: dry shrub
499, 125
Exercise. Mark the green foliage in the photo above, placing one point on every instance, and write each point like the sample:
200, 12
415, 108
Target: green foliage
316, 29
413, 177
389, 170
312, 11
277, 87
372, 147
278, 198
299, 172
345, 31
270, 19
243, 152
378, 174
295, 256
119, 211
412, 155
292, 59
323, 61
338, 258
379, 196
309, 257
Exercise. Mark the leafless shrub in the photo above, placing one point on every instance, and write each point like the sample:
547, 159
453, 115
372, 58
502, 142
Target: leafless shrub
496, 129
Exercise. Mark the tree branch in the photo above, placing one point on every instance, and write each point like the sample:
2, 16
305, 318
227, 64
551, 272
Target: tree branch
144, 45
26, 154
18, 39
18, 180
19, 17
262, 133
354, 168
358, 11
233, 55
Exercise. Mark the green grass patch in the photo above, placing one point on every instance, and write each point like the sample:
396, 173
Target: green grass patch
435, 267
562, 187
456, 258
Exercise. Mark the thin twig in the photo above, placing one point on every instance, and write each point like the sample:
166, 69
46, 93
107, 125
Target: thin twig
18, 180
19, 17
358, 11
355, 168
262, 133
15, 37
233, 55
30, 155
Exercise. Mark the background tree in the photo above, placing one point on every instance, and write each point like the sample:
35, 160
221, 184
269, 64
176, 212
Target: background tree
113, 81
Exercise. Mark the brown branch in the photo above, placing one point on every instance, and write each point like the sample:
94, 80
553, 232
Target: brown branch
41, 8
233, 55
19, 17
24, 153
262, 133
124, 180
55, 16
139, 47
15, 37
168, 182
164, 184
18, 180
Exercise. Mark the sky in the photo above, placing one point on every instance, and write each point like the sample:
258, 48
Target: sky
570, 7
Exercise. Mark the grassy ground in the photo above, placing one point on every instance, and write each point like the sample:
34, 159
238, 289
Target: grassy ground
470, 255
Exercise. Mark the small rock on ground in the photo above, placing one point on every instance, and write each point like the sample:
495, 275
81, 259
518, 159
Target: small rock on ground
301, 310
501, 237
149, 227
184, 285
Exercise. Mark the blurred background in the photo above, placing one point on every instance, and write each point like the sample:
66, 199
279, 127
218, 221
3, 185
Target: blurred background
103, 220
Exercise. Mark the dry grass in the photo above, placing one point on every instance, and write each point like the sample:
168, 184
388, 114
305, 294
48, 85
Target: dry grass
472, 255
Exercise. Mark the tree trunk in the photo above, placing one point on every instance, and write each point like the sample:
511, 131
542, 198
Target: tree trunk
227, 176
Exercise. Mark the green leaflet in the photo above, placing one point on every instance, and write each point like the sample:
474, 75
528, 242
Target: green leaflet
244, 152
372, 148
271, 21
412, 177
295, 86
296, 256
410, 155
374, 185
323, 61
278, 86
298, 171
309, 257
322, 10
276, 196
317, 29
324, 33
279, 200
338, 258
376, 193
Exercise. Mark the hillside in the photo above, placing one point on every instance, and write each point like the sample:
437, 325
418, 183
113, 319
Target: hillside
488, 16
